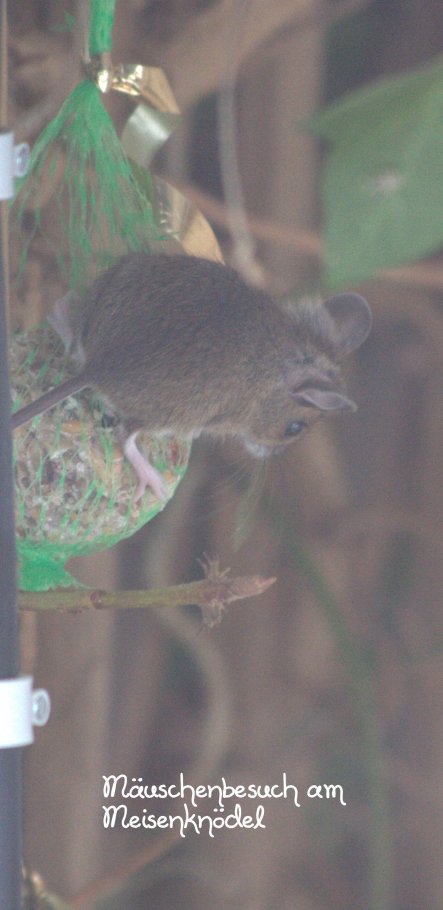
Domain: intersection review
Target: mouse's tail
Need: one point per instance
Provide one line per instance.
(49, 399)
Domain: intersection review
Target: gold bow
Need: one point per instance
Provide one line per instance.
(144, 133)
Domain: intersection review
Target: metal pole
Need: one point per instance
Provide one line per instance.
(10, 759)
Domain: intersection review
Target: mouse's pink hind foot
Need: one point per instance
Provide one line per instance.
(147, 475)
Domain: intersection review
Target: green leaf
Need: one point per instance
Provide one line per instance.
(383, 179)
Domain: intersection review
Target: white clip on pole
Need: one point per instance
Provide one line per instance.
(21, 709)
(14, 161)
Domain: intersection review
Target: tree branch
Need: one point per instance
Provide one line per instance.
(199, 50)
(204, 42)
(212, 594)
(424, 274)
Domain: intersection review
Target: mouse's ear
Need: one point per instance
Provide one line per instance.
(323, 399)
(61, 318)
(352, 320)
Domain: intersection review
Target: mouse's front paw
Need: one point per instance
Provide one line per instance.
(148, 476)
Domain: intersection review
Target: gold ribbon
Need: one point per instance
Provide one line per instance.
(144, 133)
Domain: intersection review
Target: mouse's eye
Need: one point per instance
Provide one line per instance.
(294, 428)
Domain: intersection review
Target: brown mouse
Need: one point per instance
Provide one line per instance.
(181, 345)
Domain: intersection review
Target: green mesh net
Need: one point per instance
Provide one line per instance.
(100, 210)
(74, 489)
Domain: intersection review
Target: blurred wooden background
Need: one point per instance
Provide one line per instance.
(271, 689)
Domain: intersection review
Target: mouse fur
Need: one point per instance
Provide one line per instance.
(179, 344)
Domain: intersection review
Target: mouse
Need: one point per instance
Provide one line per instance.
(181, 345)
